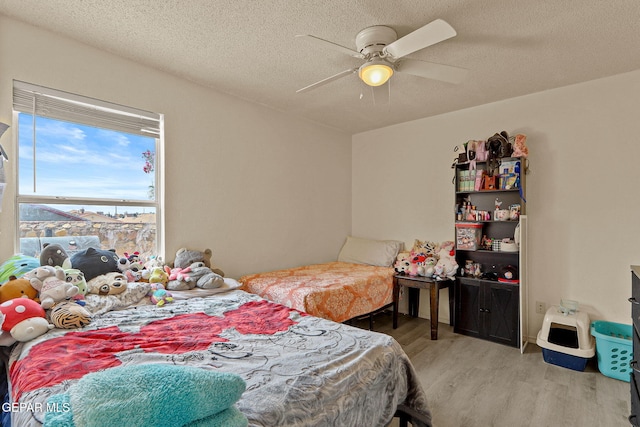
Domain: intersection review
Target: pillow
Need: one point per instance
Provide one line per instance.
(150, 395)
(381, 253)
(99, 304)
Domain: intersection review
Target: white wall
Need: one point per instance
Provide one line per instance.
(582, 189)
(260, 189)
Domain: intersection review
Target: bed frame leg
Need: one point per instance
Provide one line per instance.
(407, 415)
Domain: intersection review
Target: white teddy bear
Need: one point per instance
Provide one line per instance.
(447, 265)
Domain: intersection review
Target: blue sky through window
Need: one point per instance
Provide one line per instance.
(76, 160)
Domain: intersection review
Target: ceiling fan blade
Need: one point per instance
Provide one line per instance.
(326, 43)
(328, 80)
(431, 70)
(432, 33)
(381, 94)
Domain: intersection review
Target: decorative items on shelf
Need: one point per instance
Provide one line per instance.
(501, 153)
(469, 212)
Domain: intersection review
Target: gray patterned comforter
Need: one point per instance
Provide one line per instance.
(299, 370)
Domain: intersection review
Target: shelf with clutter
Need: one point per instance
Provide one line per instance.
(489, 205)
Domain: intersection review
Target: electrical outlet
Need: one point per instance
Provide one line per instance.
(541, 307)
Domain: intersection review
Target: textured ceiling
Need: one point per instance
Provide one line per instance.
(247, 48)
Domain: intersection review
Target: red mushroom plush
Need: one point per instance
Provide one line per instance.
(22, 320)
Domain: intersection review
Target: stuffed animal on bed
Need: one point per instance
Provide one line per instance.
(17, 265)
(160, 297)
(111, 283)
(199, 276)
(40, 273)
(22, 320)
(94, 262)
(69, 315)
(158, 275)
(185, 257)
(131, 267)
(76, 278)
(17, 288)
(179, 278)
(54, 254)
(54, 288)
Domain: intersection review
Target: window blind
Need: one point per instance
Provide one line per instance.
(69, 107)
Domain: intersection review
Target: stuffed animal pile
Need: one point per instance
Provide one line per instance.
(428, 259)
(37, 295)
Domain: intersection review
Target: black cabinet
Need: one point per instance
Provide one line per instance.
(487, 309)
(634, 418)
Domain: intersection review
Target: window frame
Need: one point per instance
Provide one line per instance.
(157, 204)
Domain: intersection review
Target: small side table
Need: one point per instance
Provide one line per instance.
(419, 282)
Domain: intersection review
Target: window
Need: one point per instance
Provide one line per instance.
(89, 173)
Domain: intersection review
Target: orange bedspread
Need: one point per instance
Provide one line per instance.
(336, 291)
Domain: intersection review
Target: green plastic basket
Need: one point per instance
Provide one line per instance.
(614, 348)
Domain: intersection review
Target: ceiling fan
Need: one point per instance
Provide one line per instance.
(385, 54)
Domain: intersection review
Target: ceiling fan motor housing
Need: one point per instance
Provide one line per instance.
(372, 40)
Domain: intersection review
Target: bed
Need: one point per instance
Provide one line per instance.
(360, 282)
(297, 369)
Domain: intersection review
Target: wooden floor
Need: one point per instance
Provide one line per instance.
(471, 382)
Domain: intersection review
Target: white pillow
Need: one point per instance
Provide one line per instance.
(381, 253)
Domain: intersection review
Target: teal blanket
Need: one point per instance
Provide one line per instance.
(148, 396)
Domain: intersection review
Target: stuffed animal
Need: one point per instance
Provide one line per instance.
(161, 297)
(40, 273)
(54, 288)
(152, 262)
(178, 275)
(425, 247)
(69, 315)
(413, 269)
(123, 263)
(22, 320)
(131, 269)
(94, 262)
(76, 278)
(446, 266)
(133, 276)
(158, 275)
(186, 257)
(205, 277)
(17, 265)
(416, 260)
(54, 255)
(200, 276)
(134, 257)
(148, 266)
(520, 148)
(111, 283)
(154, 287)
(401, 266)
(429, 266)
(18, 288)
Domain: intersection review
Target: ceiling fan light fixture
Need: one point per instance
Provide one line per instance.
(375, 73)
